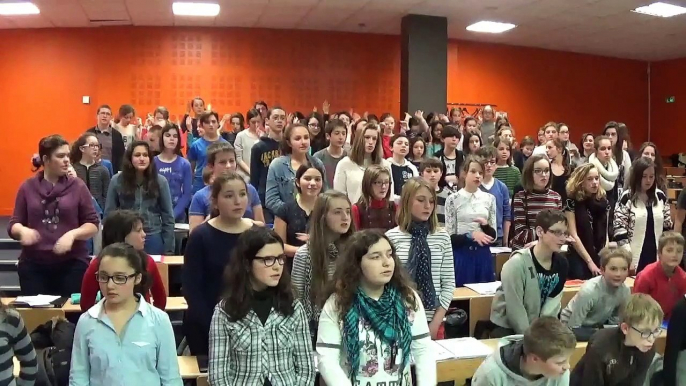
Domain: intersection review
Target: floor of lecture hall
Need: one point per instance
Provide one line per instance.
(7, 278)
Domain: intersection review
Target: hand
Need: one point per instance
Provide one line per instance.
(140, 122)
(226, 117)
(443, 118)
(71, 173)
(481, 221)
(419, 114)
(304, 237)
(290, 118)
(356, 117)
(325, 107)
(594, 268)
(189, 123)
(64, 244)
(403, 127)
(434, 326)
(481, 238)
(382, 126)
(612, 244)
(28, 236)
(407, 117)
(366, 115)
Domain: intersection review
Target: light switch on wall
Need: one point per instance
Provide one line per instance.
(86, 100)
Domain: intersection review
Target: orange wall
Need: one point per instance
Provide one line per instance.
(44, 74)
(667, 79)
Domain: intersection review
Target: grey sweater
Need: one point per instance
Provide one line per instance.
(97, 179)
(596, 303)
(15, 341)
(517, 302)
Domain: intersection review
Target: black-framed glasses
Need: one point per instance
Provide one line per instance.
(559, 233)
(116, 279)
(269, 261)
(648, 334)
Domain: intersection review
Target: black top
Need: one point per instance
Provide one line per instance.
(118, 148)
(262, 154)
(262, 303)
(451, 166)
(609, 362)
(296, 222)
(590, 217)
(649, 250)
(551, 281)
(559, 185)
(400, 175)
(675, 343)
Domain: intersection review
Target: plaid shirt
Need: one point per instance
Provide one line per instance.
(246, 352)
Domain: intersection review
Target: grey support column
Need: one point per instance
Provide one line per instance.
(424, 64)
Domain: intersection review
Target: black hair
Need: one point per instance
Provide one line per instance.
(260, 103)
(118, 224)
(47, 146)
(128, 177)
(238, 290)
(333, 124)
(468, 138)
(450, 131)
(205, 117)
(125, 110)
(396, 137)
(370, 117)
(137, 260)
(167, 128)
(75, 153)
(252, 113)
(271, 110)
(302, 170)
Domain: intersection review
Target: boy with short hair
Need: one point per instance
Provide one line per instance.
(526, 149)
(539, 358)
(450, 157)
(622, 355)
(664, 279)
(600, 299)
(532, 279)
(401, 169)
(336, 133)
(265, 151)
(197, 152)
(221, 158)
(431, 170)
(497, 189)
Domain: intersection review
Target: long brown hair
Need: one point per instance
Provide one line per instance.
(346, 279)
(640, 165)
(128, 172)
(320, 236)
(238, 291)
(371, 174)
(357, 153)
(528, 173)
(659, 167)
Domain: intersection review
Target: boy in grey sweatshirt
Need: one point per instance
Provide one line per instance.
(539, 358)
(599, 300)
(532, 279)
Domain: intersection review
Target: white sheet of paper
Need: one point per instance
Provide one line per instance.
(497, 250)
(37, 300)
(465, 348)
(157, 258)
(441, 352)
(182, 226)
(484, 288)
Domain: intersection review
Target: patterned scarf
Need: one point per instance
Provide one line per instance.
(419, 263)
(311, 309)
(388, 319)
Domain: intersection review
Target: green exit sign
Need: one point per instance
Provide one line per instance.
(670, 99)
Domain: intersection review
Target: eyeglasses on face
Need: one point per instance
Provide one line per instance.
(558, 233)
(116, 279)
(269, 261)
(647, 334)
(382, 183)
(541, 171)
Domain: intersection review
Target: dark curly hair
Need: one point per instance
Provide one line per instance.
(128, 172)
(238, 291)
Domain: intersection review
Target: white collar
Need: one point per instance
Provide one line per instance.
(97, 309)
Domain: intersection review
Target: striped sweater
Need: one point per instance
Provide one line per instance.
(509, 175)
(15, 341)
(525, 208)
(97, 179)
(442, 271)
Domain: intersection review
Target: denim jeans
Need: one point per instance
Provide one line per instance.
(154, 245)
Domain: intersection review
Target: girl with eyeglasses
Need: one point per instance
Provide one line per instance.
(122, 339)
(208, 251)
(373, 321)
(534, 197)
(315, 124)
(138, 187)
(53, 219)
(84, 160)
(123, 226)
(424, 250)
(259, 333)
(375, 209)
(314, 262)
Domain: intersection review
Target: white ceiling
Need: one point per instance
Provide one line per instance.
(601, 27)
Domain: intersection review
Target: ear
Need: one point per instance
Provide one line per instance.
(539, 232)
(624, 327)
(139, 279)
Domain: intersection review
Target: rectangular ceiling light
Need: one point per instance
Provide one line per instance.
(492, 27)
(195, 9)
(661, 10)
(19, 8)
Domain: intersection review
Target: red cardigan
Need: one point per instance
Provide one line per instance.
(667, 291)
(375, 204)
(90, 286)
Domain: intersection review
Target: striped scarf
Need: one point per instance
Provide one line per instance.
(388, 319)
(419, 263)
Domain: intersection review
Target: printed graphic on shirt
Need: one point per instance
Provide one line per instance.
(547, 283)
(449, 166)
(269, 156)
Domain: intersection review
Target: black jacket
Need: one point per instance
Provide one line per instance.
(117, 148)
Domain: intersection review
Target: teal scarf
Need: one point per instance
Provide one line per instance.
(388, 319)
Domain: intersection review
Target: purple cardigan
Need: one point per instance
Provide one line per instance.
(35, 197)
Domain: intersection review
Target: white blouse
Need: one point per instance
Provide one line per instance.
(348, 178)
(462, 208)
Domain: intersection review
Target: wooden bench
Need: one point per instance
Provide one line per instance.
(675, 171)
(41, 315)
(480, 305)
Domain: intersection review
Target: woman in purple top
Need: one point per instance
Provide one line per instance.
(171, 165)
(53, 218)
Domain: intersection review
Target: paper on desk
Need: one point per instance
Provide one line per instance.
(484, 288)
(465, 348)
(37, 300)
(182, 226)
(157, 258)
(441, 352)
(497, 250)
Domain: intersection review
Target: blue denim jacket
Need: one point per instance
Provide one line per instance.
(281, 182)
(158, 212)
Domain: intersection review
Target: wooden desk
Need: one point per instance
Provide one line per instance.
(173, 304)
(480, 305)
(163, 269)
(673, 194)
(173, 260)
(675, 171)
(34, 317)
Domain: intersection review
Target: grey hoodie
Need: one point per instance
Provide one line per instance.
(501, 368)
